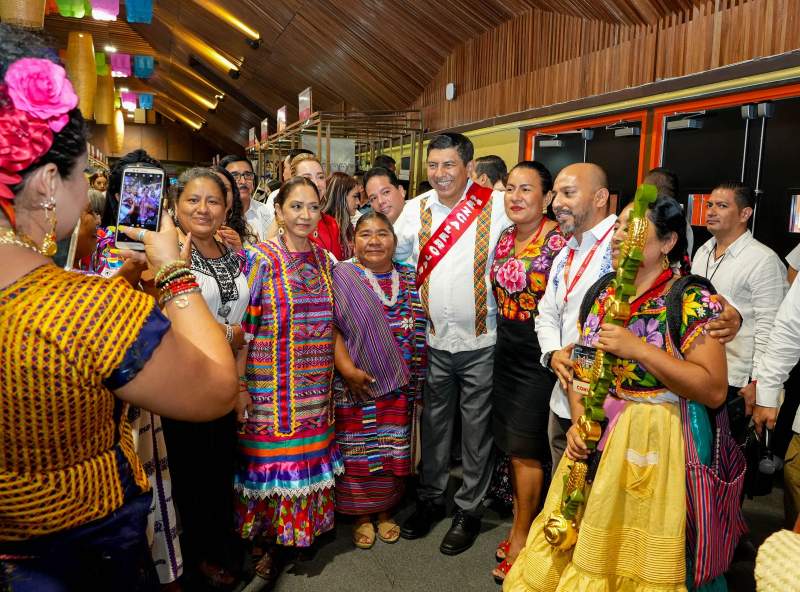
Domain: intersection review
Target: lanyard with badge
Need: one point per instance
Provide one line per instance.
(571, 285)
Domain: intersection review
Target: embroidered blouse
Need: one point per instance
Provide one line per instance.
(519, 280)
(649, 322)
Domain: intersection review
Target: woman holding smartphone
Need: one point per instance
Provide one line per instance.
(73, 494)
(288, 456)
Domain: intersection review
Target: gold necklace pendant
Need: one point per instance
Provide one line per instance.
(10, 237)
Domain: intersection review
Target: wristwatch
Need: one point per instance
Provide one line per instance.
(546, 360)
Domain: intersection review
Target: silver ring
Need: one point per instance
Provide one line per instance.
(140, 236)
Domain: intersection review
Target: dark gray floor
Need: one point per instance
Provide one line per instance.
(410, 566)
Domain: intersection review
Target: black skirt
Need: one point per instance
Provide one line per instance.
(521, 392)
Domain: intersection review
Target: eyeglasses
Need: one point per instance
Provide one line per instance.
(249, 176)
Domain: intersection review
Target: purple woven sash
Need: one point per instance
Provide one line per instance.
(359, 316)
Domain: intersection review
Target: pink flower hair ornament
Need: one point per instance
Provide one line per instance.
(35, 102)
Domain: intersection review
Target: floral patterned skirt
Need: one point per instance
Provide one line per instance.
(290, 521)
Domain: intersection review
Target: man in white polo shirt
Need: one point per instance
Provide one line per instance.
(257, 215)
(753, 278)
(450, 233)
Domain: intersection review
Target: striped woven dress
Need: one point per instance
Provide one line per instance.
(288, 457)
(387, 342)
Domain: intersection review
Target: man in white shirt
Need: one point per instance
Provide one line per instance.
(461, 333)
(257, 215)
(384, 192)
(780, 355)
(751, 275)
(286, 174)
(490, 171)
(581, 209)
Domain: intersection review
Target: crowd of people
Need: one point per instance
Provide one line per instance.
(262, 368)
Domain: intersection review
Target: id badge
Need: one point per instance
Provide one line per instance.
(582, 363)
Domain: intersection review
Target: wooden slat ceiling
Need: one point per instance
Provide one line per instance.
(359, 54)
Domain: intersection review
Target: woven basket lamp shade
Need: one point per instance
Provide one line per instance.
(104, 100)
(23, 13)
(116, 139)
(82, 69)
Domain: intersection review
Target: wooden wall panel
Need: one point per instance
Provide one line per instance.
(541, 58)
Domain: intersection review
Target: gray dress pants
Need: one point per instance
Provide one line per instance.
(470, 374)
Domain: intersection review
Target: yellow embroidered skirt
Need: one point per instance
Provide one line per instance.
(632, 534)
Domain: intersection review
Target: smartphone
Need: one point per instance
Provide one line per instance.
(140, 203)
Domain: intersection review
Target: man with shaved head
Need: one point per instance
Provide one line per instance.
(581, 209)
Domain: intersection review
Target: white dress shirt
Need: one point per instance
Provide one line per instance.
(259, 217)
(793, 258)
(753, 278)
(557, 320)
(451, 301)
(781, 353)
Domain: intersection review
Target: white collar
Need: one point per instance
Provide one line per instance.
(594, 234)
(433, 198)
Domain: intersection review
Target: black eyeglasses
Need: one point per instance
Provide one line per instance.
(249, 176)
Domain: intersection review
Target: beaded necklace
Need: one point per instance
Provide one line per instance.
(376, 287)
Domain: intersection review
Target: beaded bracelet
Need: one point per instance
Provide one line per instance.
(185, 284)
(168, 268)
(180, 282)
(178, 273)
(228, 333)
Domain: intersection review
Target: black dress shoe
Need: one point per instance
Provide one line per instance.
(422, 520)
(461, 535)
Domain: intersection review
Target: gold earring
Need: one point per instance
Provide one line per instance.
(49, 246)
(316, 234)
(664, 262)
(280, 229)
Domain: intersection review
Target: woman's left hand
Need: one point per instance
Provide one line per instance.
(619, 341)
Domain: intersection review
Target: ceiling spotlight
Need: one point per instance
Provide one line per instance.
(252, 36)
(110, 49)
(123, 89)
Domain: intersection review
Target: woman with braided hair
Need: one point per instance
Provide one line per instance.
(77, 350)
(633, 532)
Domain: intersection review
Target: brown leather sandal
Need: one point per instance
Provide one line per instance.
(267, 568)
(388, 531)
(364, 535)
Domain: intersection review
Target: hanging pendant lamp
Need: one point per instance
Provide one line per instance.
(82, 69)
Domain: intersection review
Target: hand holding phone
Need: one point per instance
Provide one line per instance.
(140, 204)
(162, 247)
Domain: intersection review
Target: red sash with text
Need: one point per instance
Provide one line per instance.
(451, 229)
